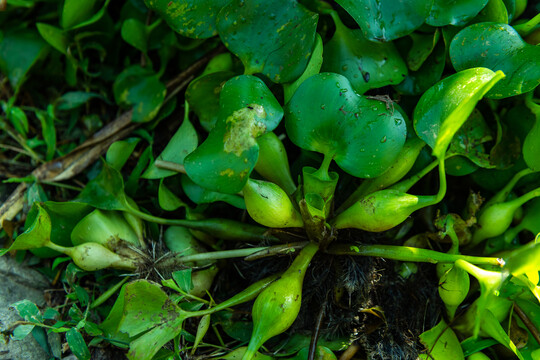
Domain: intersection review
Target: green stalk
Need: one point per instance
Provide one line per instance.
(246, 295)
(215, 255)
(222, 228)
(412, 254)
(107, 294)
(526, 28)
(322, 173)
(502, 194)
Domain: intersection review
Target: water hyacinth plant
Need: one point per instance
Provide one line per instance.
(289, 179)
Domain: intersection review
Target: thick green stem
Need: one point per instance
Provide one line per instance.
(526, 28)
(222, 228)
(502, 194)
(322, 173)
(107, 294)
(246, 295)
(215, 255)
(405, 253)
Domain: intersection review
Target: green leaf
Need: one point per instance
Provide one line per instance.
(494, 11)
(75, 12)
(168, 201)
(135, 33)
(313, 67)
(183, 279)
(226, 158)
(36, 236)
(19, 51)
(447, 105)
(456, 13)
(54, 36)
(22, 331)
(146, 305)
(386, 20)
(105, 191)
(28, 311)
(441, 343)
(202, 95)
(523, 259)
(469, 140)
(141, 89)
(363, 135)
(64, 216)
(423, 45)
(18, 119)
(146, 346)
(74, 99)
(417, 82)
(366, 64)
(190, 18)
(531, 145)
(183, 142)
(120, 151)
(498, 47)
(77, 345)
(200, 195)
(48, 131)
(285, 27)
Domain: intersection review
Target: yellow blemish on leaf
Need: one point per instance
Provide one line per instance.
(229, 172)
(242, 128)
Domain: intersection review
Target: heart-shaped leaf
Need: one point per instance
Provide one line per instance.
(186, 16)
(366, 64)
(202, 95)
(278, 44)
(445, 106)
(226, 158)
(141, 89)
(363, 135)
(385, 20)
(498, 47)
(457, 12)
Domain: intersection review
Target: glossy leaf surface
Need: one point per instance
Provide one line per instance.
(203, 96)
(185, 16)
(498, 47)
(454, 13)
(385, 20)
(247, 110)
(366, 64)
(285, 27)
(446, 106)
(363, 135)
